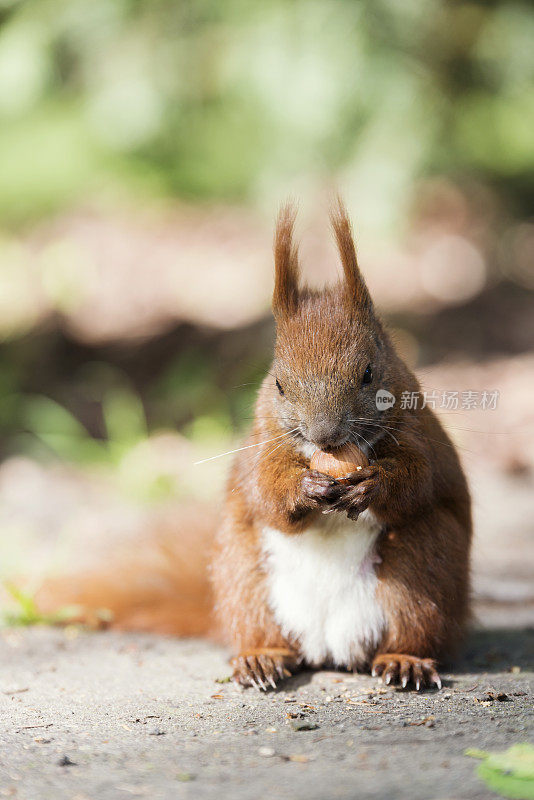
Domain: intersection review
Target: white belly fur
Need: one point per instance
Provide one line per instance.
(322, 588)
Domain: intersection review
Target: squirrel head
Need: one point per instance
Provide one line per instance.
(331, 353)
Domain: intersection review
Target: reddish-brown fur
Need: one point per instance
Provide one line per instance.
(414, 486)
(158, 584)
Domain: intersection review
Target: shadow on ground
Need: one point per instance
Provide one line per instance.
(497, 650)
(106, 715)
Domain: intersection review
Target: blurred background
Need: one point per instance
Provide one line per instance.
(145, 146)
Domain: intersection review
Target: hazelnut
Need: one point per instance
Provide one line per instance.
(340, 462)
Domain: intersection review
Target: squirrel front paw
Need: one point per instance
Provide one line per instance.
(319, 489)
(357, 492)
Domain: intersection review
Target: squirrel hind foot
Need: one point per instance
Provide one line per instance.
(406, 671)
(263, 668)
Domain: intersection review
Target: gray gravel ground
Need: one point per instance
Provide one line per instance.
(142, 716)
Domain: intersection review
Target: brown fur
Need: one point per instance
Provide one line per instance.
(414, 485)
(285, 296)
(159, 584)
(357, 293)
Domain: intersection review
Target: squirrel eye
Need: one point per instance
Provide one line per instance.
(367, 375)
(279, 387)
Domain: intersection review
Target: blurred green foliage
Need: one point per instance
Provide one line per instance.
(230, 100)
(189, 396)
(24, 611)
(110, 101)
(509, 773)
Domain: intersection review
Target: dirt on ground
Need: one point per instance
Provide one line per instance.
(99, 716)
(105, 715)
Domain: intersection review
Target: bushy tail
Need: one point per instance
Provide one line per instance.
(159, 585)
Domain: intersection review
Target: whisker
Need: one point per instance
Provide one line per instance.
(360, 435)
(436, 441)
(245, 447)
(261, 455)
(378, 425)
(445, 424)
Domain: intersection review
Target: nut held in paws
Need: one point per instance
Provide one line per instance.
(339, 463)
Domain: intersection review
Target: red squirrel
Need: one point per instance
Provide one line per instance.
(381, 581)
(387, 590)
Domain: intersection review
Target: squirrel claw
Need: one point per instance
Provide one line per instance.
(319, 488)
(262, 668)
(435, 679)
(403, 670)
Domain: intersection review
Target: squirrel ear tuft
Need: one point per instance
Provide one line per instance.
(357, 291)
(286, 263)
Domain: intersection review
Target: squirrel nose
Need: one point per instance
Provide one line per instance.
(325, 431)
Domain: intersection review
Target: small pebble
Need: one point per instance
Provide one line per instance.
(266, 752)
(65, 761)
(185, 777)
(302, 725)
